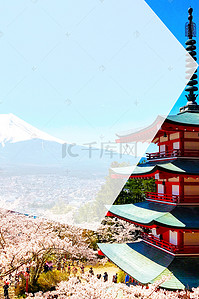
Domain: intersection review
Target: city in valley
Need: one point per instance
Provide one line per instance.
(47, 194)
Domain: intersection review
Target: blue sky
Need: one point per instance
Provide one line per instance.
(83, 70)
(174, 15)
(79, 70)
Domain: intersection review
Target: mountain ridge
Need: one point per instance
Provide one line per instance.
(13, 129)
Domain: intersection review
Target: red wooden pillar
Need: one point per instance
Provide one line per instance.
(181, 187)
(180, 239)
(182, 143)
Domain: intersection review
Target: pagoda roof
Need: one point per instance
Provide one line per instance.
(148, 264)
(145, 134)
(177, 165)
(186, 118)
(151, 213)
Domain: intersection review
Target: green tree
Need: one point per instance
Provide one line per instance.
(134, 191)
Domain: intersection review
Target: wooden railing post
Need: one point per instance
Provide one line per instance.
(173, 153)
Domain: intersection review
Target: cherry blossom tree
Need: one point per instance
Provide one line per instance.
(117, 230)
(96, 289)
(25, 241)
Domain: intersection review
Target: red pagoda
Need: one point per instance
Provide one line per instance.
(171, 214)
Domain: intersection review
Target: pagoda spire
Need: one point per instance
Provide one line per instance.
(191, 88)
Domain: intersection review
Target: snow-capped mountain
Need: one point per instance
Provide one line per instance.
(24, 146)
(21, 144)
(13, 129)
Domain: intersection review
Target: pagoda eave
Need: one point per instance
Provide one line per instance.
(148, 214)
(152, 224)
(188, 120)
(181, 122)
(142, 135)
(147, 264)
(178, 166)
(148, 225)
(172, 126)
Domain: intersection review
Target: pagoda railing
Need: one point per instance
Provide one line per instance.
(172, 154)
(160, 243)
(193, 249)
(163, 197)
(172, 198)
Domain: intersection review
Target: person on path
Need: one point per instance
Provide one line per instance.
(91, 272)
(127, 279)
(114, 278)
(63, 266)
(105, 276)
(74, 270)
(46, 267)
(78, 280)
(82, 269)
(69, 269)
(59, 266)
(5, 289)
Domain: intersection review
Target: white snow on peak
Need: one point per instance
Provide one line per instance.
(13, 129)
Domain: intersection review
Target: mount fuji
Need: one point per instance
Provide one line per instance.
(24, 147)
(13, 129)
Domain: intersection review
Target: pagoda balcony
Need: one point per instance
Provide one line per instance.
(163, 197)
(172, 154)
(183, 249)
(160, 243)
(172, 198)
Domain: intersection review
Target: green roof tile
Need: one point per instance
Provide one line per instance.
(135, 213)
(176, 166)
(143, 262)
(187, 118)
(132, 262)
(173, 283)
(145, 213)
(148, 264)
(170, 220)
